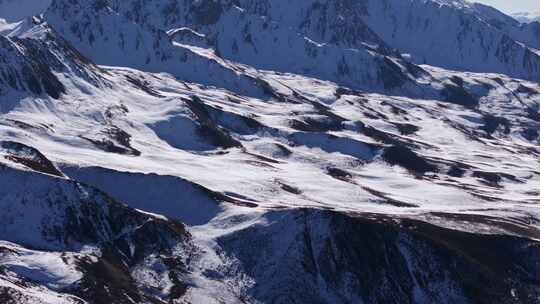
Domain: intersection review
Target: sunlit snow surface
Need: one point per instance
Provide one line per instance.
(59, 126)
(177, 132)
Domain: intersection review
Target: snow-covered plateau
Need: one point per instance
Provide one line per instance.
(268, 151)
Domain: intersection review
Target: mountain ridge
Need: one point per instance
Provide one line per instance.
(170, 151)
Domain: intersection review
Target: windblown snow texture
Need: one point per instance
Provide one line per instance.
(218, 151)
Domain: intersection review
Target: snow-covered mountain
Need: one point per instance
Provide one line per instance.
(526, 17)
(451, 34)
(268, 151)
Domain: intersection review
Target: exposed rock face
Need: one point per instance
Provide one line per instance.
(102, 241)
(29, 157)
(30, 65)
(348, 259)
(35, 75)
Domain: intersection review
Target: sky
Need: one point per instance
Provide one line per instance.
(513, 6)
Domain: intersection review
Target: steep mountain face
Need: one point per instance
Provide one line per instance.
(234, 38)
(375, 260)
(64, 242)
(93, 24)
(31, 61)
(451, 34)
(206, 151)
(527, 33)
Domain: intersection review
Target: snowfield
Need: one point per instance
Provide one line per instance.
(231, 151)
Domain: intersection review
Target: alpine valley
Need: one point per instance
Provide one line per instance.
(268, 151)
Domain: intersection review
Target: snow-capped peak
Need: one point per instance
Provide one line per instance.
(527, 17)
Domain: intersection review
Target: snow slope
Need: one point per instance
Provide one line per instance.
(226, 152)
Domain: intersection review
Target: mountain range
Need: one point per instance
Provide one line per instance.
(526, 17)
(268, 151)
